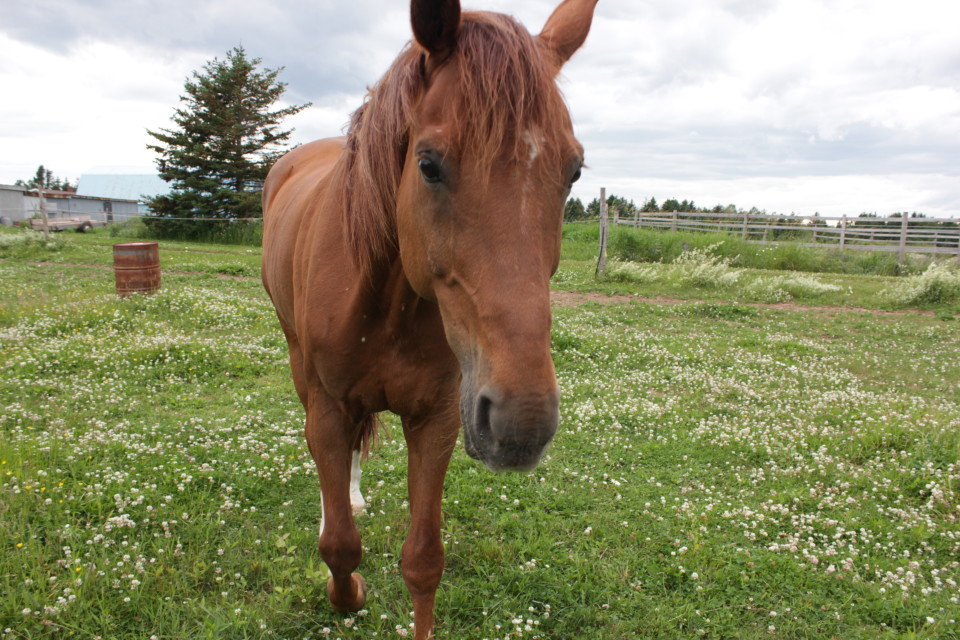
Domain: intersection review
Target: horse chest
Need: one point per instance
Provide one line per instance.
(397, 362)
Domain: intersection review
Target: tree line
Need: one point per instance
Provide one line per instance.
(624, 208)
(44, 179)
(616, 205)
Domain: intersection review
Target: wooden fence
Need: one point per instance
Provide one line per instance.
(896, 234)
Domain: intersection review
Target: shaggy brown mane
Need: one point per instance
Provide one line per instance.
(506, 85)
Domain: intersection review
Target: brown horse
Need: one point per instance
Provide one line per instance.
(409, 265)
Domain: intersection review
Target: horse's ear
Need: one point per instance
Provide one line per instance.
(435, 25)
(567, 28)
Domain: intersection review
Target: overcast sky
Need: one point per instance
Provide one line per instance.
(785, 105)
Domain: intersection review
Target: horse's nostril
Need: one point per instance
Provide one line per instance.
(484, 404)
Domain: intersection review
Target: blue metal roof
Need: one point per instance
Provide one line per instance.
(126, 187)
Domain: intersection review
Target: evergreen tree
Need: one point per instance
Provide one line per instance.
(624, 208)
(670, 204)
(593, 209)
(225, 140)
(574, 210)
(44, 178)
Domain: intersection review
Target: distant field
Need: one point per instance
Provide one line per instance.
(731, 463)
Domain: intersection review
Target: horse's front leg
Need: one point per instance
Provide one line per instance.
(330, 438)
(430, 443)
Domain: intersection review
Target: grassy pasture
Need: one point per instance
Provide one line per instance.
(725, 468)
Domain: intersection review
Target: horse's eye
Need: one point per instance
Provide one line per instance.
(430, 170)
(575, 176)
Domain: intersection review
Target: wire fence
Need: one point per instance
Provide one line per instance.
(900, 234)
(105, 216)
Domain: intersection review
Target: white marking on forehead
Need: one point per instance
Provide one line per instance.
(533, 139)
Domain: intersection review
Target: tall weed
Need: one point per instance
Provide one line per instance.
(219, 232)
(783, 288)
(634, 272)
(702, 268)
(694, 267)
(28, 243)
(938, 284)
(648, 245)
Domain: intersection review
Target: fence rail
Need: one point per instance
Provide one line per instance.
(896, 234)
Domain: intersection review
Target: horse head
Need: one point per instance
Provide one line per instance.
(490, 159)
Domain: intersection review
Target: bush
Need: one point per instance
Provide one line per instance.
(216, 231)
(938, 284)
(132, 228)
(694, 267)
(27, 243)
(654, 245)
(633, 245)
(701, 268)
(783, 288)
(633, 272)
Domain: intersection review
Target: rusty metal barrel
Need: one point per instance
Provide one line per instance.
(137, 267)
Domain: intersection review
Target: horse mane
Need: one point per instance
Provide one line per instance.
(507, 85)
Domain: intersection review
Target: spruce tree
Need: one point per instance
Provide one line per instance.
(574, 210)
(225, 140)
(45, 178)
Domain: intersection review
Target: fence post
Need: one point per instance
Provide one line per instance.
(903, 237)
(43, 213)
(843, 231)
(673, 221)
(602, 262)
(743, 230)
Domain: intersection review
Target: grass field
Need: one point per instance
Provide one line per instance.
(725, 467)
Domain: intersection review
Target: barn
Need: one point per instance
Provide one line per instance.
(120, 185)
(20, 203)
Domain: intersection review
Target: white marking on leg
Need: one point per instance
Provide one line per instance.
(356, 498)
(323, 516)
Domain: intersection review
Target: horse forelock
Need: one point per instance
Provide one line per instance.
(505, 90)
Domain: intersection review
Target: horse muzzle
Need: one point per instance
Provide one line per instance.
(508, 431)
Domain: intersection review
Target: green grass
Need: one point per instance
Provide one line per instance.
(722, 267)
(647, 245)
(724, 469)
(230, 233)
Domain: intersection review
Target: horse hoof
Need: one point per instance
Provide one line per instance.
(354, 602)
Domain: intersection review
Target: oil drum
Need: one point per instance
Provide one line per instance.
(137, 267)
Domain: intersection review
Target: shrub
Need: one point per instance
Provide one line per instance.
(28, 242)
(939, 283)
(694, 267)
(660, 245)
(700, 267)
(783, 288)
(131, 228)
(633, 272)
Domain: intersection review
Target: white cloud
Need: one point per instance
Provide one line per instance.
(787, 105)
(89, 107)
